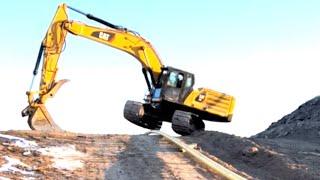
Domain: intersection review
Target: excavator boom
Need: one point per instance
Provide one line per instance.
(52, 46)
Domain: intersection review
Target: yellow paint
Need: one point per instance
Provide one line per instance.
(214, 102)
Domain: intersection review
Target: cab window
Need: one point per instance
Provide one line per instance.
(172, 79)
(175, 79)
(180, 80)
(189, 82)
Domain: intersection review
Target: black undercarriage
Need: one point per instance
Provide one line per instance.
(184, 120)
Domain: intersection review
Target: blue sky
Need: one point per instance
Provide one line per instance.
(265, 53)
(174, 27)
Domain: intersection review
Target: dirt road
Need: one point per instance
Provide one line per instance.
(96, 157)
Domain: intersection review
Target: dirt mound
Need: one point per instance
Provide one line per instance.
(303, 124)
(288, 149)
(259, 158)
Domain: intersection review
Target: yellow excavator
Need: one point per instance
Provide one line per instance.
(170, 96)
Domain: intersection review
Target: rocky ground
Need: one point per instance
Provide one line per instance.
(288, 149)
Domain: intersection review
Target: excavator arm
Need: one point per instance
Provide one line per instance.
(52, 46)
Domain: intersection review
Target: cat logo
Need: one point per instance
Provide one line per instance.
(103, 35)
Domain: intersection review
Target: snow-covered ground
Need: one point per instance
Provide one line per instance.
(12, 164)
(20, 142)
(63, 157)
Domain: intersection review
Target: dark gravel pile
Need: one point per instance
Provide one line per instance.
(303, 124)
(288, 149)
(261, 158)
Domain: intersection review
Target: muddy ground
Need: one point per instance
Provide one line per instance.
(288, 149)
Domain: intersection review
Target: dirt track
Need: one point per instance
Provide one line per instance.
(104, 157)
(150, 157)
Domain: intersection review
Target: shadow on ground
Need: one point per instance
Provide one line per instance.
(138, 161)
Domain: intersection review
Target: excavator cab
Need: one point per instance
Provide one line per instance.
(175, 84)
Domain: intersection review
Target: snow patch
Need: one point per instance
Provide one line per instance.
(64, 157)
(11, 166)
(20, 142)
(4, 178)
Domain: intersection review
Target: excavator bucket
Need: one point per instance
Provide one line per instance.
(38, 116)
(40, 119)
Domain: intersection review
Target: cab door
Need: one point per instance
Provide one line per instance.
(187, 86)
